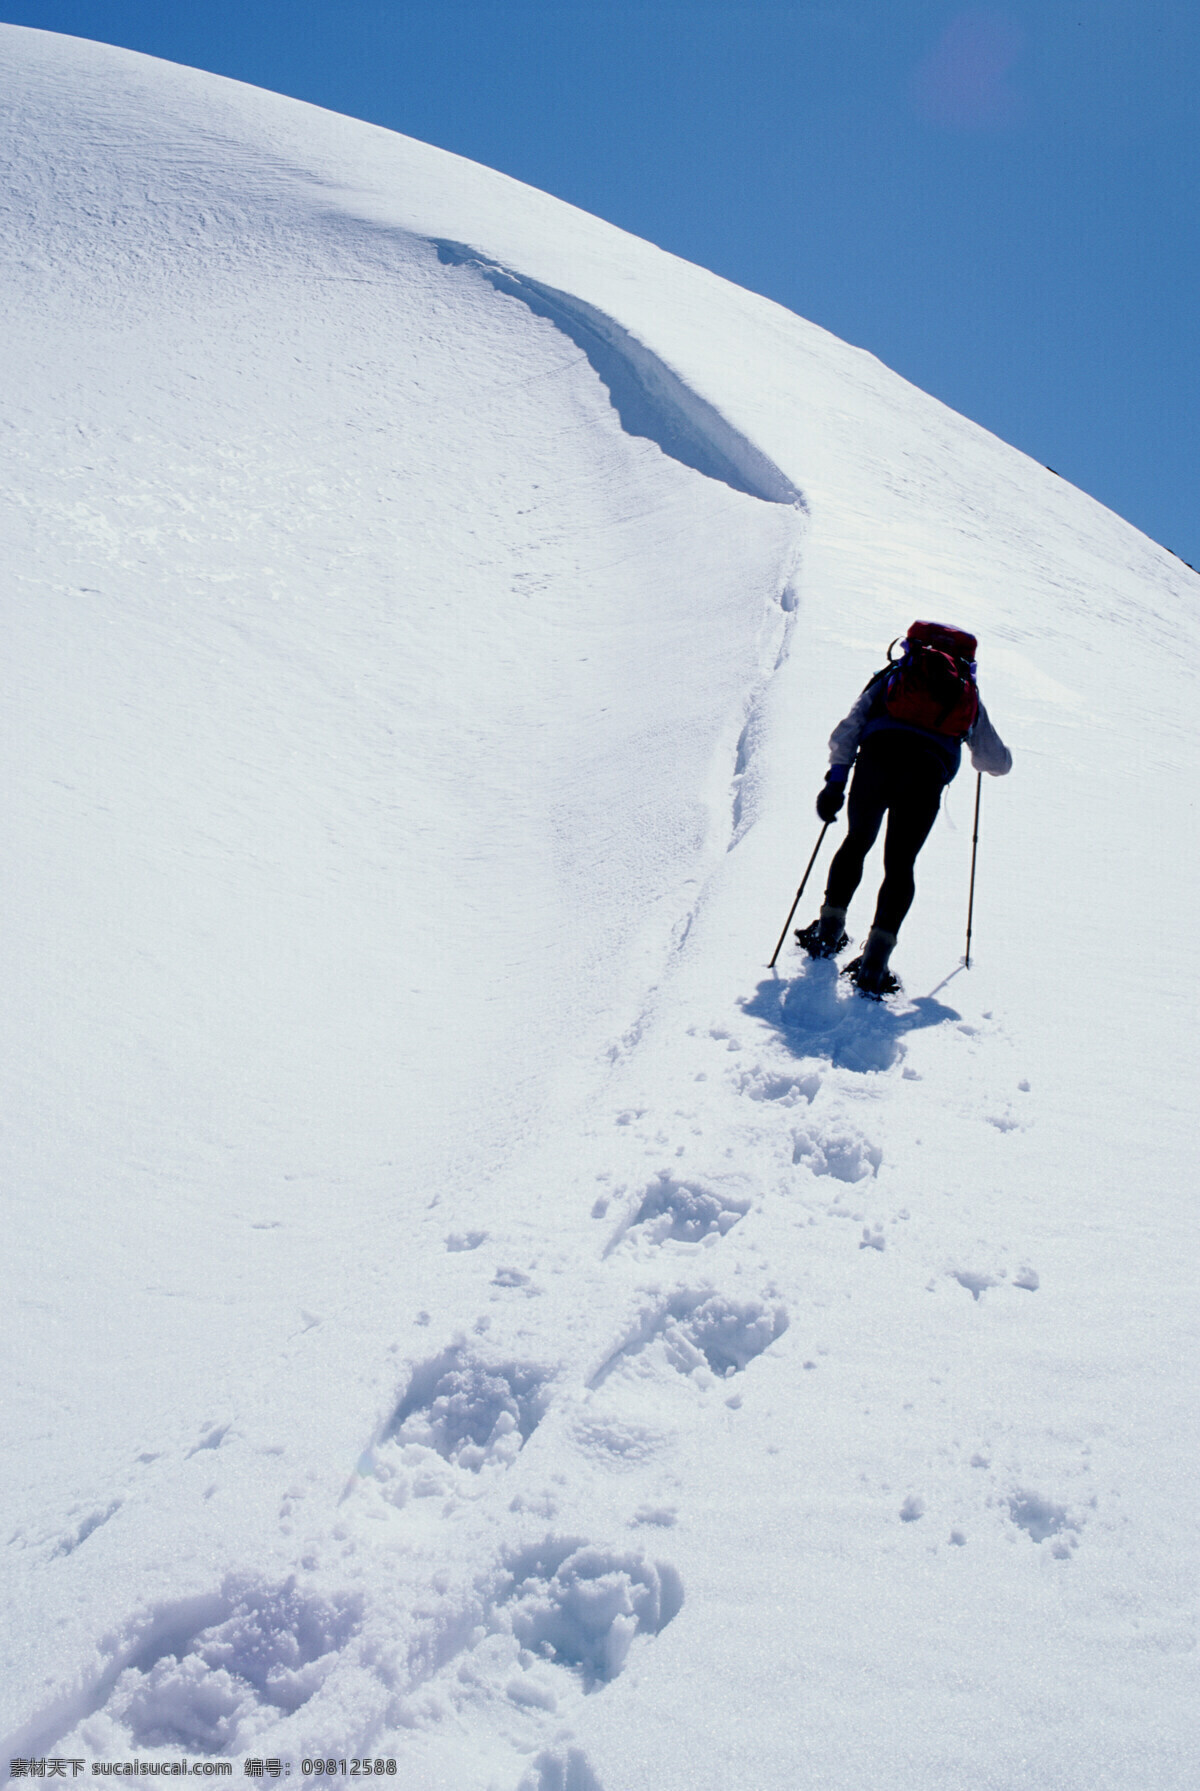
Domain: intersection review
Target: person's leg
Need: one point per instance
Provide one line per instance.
(865, 807)
(912, 812)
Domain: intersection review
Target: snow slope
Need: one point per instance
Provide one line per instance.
(460, 1307)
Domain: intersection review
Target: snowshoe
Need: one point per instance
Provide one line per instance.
(874, 986)
(821, 940)
(869, 973)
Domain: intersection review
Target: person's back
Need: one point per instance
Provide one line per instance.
(904, 739)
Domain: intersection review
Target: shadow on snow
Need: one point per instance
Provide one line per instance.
(815, 1016)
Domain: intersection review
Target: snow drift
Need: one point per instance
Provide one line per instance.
(460, 1308)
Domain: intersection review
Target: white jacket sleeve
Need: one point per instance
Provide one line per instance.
(988, 751)
(843, 742)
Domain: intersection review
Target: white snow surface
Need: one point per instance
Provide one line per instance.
(461, 1307)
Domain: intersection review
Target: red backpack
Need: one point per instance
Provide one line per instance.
(932, 684)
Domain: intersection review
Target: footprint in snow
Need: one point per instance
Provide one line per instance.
(579, 1607)
(87, 1526)
(212, 1438)
(204, 1675)
(698, 1333)
(788, 1088)
(553, 1621)
(841, 1154)
(460, 1412)
(618, 1442)
(560, 1770)
(672, 1210)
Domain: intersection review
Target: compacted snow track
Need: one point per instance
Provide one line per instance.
(463, 1309)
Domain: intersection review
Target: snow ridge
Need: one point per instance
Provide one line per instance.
(648, 396)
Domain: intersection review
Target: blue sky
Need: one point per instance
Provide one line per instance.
(1002, 202)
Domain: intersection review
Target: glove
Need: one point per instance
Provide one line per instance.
(829, 802)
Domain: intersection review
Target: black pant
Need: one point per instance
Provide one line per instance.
(899, 775)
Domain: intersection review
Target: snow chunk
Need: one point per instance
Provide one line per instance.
(466, 1240)
(974, 1280)
(1042, 1518)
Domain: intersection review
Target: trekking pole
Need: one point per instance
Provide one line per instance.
(787, 923)
(974, 848)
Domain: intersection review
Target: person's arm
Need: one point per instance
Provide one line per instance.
(988, 751)
(843, 742)
(843, 745)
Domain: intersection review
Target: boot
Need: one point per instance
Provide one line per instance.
(827, 935)
(870, 973)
